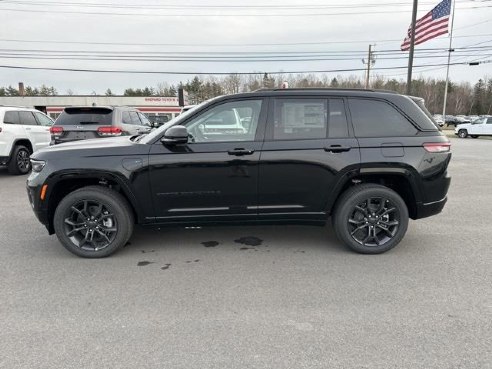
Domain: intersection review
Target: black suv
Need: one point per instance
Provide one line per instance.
(369, 159)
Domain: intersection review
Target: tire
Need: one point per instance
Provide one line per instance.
(352, 220)
(93, 222)
(462, 133)
(19, 161)
(473, 136)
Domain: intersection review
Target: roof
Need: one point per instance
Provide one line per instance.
(342, 92)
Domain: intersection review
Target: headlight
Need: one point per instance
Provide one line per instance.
(37, 165)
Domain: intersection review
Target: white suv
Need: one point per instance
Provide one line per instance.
(479, 127)
(22, 131)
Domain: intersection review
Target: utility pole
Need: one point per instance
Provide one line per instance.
(412, 46)
(450, 50)
(371, 60)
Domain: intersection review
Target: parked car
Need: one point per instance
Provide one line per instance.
(439, 119)
(369, 159)
(22, 131)
(479, 127)
(462, 119)
(450, 120)
(85, 122)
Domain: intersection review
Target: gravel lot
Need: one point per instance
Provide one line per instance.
(297, 300)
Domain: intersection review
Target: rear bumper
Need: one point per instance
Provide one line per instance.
(431, 208)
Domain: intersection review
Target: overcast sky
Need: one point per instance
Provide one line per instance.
(351, 24)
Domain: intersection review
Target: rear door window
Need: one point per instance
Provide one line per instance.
(27, 118)
(11, 117)
(303, 118)
(296, 119)
(375, 118)
(82, 116)
(135, 119)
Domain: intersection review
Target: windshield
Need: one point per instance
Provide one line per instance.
(159, 131)
(479, 121)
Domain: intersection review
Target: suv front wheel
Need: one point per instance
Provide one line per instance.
(462, 133)
(93, 222)
(370, 218)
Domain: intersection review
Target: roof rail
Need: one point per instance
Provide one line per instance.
(323, 89)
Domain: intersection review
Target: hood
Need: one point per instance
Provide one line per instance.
(463, 125)
(113, 146)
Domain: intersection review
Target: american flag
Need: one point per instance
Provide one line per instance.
(433, 24)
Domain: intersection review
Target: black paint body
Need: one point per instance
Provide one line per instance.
(279, 182)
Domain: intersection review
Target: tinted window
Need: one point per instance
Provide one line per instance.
(299, 119)
(43, 119)
(489, 120)
(11, 117)
(232, 121)
(80, 116)
(135, 119)
(373, 118)
(125, 117)
(144, 119)
(27, 118)
(337, 119)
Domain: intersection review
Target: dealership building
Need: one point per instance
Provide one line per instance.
(163, 107)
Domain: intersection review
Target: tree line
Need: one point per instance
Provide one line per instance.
(463, 97)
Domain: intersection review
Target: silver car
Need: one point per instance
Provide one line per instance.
(81, 123)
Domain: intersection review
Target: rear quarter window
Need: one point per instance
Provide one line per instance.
(376, 118)
(11, 117)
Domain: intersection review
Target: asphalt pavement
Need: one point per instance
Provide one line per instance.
(255, 297)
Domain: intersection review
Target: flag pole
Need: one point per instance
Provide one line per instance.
(412, 45)
(449, 61)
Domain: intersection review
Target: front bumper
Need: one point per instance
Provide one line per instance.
(39, 207)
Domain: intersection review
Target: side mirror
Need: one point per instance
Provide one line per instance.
(175, 135)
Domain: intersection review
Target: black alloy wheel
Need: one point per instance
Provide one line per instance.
(19, 162)
(370, 218)
(90, 225)
(462, 133)
(374, 222)
(23, 162)
(93, 221)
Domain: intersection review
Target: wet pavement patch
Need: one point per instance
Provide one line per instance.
(210, 243)
(249, 241)
(144, 263)
(166, 266)
(145, 251)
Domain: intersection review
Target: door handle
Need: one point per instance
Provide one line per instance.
(28, 129)
(240, 152)
(337, 148)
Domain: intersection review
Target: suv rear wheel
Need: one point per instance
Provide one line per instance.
(19, 162)
(370, 218)
(93, 222)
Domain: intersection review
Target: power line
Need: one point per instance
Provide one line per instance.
(221, 45)
(220, 73)
(217, 14)
(209, 6)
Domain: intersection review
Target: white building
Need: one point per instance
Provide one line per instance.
(165, 108)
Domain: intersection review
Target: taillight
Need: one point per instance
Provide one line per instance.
(437, 146)
(109, 131)
(56, 130)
